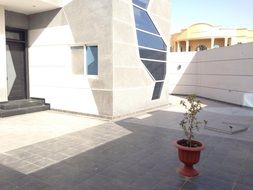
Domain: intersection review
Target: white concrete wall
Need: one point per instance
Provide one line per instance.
(3, 69)
(224, 74)
(182, 76)
(52, 35)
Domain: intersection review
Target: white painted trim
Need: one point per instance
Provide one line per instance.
(154, 60)
(148, 32)
(152, 49)
(139, 7)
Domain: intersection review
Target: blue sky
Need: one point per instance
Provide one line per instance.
(227, 13)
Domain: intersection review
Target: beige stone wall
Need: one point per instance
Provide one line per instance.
(160, 13)
(3, 70)
(133, 87)
(52, 35)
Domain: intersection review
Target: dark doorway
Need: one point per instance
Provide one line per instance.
(16, 64)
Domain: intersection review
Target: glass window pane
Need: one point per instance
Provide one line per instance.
(141, 3)
(157, 90)
(143, 21)
(152, 54)
(15, 35)
(92, 60)
(157, 69)
(151, 41)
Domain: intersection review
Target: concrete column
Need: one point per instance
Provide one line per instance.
(3, 69)
(225, 42)
(178, 47)
(233, 41)
(212, 43)
(174, 46)
(187, 45)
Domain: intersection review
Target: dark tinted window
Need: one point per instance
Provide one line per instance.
(157, 69)
(15, 35)
(143, 21)
(152, 54)
(151, 41)
(157, 90)
(92, 60)
(141, 3)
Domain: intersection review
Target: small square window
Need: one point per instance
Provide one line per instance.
(92, 60)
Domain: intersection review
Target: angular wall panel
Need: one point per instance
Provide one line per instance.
(152, 48)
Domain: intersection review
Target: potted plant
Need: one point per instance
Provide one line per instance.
(189, 149)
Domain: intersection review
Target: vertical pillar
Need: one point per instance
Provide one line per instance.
(174, 46)
(178, 47)
(3, 69)
(225, 42)
(233, 41)
(187, 45)
(212, 43)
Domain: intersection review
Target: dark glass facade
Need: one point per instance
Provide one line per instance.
(152, 54)
(152, 48)
(157, 90)
(157, 69)
(141, 3)
(150, 41)
(143, 21)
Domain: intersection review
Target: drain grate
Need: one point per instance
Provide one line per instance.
(228, 128)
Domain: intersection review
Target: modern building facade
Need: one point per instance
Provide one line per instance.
(202, 36)
(103, 57)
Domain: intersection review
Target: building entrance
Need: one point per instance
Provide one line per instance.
(16, 64)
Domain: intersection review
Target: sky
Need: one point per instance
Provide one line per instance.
(225, 13)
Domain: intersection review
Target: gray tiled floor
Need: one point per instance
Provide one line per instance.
(134, 154)
(32, 158)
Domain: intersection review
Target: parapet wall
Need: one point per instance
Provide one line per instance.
(224, 74)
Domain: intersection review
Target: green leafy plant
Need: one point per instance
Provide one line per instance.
(190, 122)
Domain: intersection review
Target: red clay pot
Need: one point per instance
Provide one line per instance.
(189, 156)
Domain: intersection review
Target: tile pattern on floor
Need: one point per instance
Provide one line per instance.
(35, 157)
(142, 157)
(24, 130)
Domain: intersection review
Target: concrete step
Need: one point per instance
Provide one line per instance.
(18, 107)
(14, 104)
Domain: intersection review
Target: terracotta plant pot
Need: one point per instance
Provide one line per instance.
(189, 156)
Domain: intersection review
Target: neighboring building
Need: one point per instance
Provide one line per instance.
(202, 36)
(99, 57)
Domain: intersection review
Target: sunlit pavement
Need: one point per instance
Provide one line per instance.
(58, 151)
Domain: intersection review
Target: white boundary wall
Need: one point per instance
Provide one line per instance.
(224, 74)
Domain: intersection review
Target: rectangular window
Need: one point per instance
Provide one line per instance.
(15, 35)
(150, 41)
(152, 54)
(92, 60)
